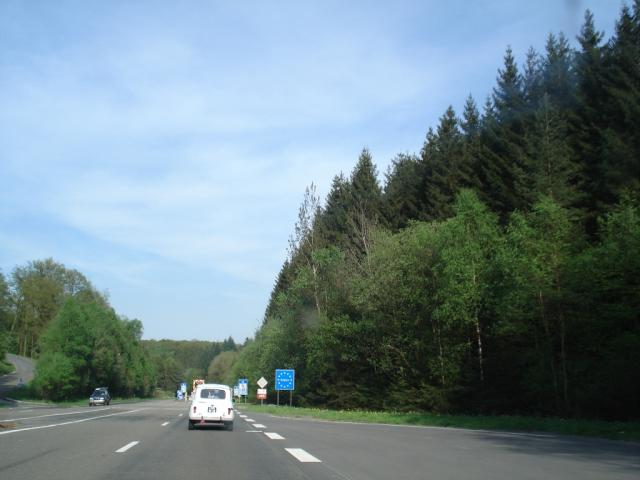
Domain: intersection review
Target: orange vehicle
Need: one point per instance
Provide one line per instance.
(196, 382)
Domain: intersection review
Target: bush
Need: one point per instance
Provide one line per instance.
(55, 377)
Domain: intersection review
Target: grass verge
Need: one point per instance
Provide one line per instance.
(6, 367)
(592, 428)
(27, 394)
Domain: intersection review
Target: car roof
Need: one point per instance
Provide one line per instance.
(213, 385)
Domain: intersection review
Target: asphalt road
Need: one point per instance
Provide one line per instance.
(23, 374)
(97, 443)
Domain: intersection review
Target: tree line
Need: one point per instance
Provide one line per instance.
(179, 361)
(497, 270)
(55, 315)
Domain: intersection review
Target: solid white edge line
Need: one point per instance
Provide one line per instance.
(303, 456)
(67, 423)
(165, 424)
(274, 436)
(127, 447)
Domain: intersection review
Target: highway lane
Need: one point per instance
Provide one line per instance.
(84, 442)
(85, 445)
(366, 451)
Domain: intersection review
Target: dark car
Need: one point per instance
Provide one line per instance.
(100, 396)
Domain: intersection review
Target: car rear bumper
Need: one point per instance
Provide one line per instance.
(211, 418)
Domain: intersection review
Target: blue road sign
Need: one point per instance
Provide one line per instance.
(285, 379)
(243, 386)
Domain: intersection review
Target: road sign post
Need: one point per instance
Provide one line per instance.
(262, 391)
(243, 388)
(285, 380)
(261, 395)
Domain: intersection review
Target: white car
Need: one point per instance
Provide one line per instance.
(211, 404)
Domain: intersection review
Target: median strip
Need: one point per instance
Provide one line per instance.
(302, 455)
(127, 447)
(68, 423)
(51, 415)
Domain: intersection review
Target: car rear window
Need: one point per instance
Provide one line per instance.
(213, 393)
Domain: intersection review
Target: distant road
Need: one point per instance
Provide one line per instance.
(150, 440)
(23, 374)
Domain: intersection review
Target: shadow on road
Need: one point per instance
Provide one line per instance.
(624, 456)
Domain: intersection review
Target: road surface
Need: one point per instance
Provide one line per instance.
(23, 374)
(150, 440)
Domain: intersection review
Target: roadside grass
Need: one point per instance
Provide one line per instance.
(6, 367)
(590, 428)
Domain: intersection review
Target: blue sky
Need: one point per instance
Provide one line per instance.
(163, 148)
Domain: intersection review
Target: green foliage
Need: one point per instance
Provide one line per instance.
(56, 377)
(88, 345)
(39, 290)
(6, 320)
(176, 361)
(220, 367)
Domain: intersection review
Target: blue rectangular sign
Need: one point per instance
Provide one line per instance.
(285, 379)
(243, 386)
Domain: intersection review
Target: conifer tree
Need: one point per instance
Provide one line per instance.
(366, 194)
(622, 135)
(332, 221)
(586, 122)
(365, 208)
(470, 128)
(501, 165)
(550, 158)
(444, 172)
(558, 75)
(532, 79)
(401, 195)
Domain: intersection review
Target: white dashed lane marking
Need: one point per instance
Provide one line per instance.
(274, 436)
(165, 424)
(127, 447)
(303, 456)
(258, 425)
(250, 420)
(254, 431)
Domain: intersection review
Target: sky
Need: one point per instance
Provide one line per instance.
(163, 148)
